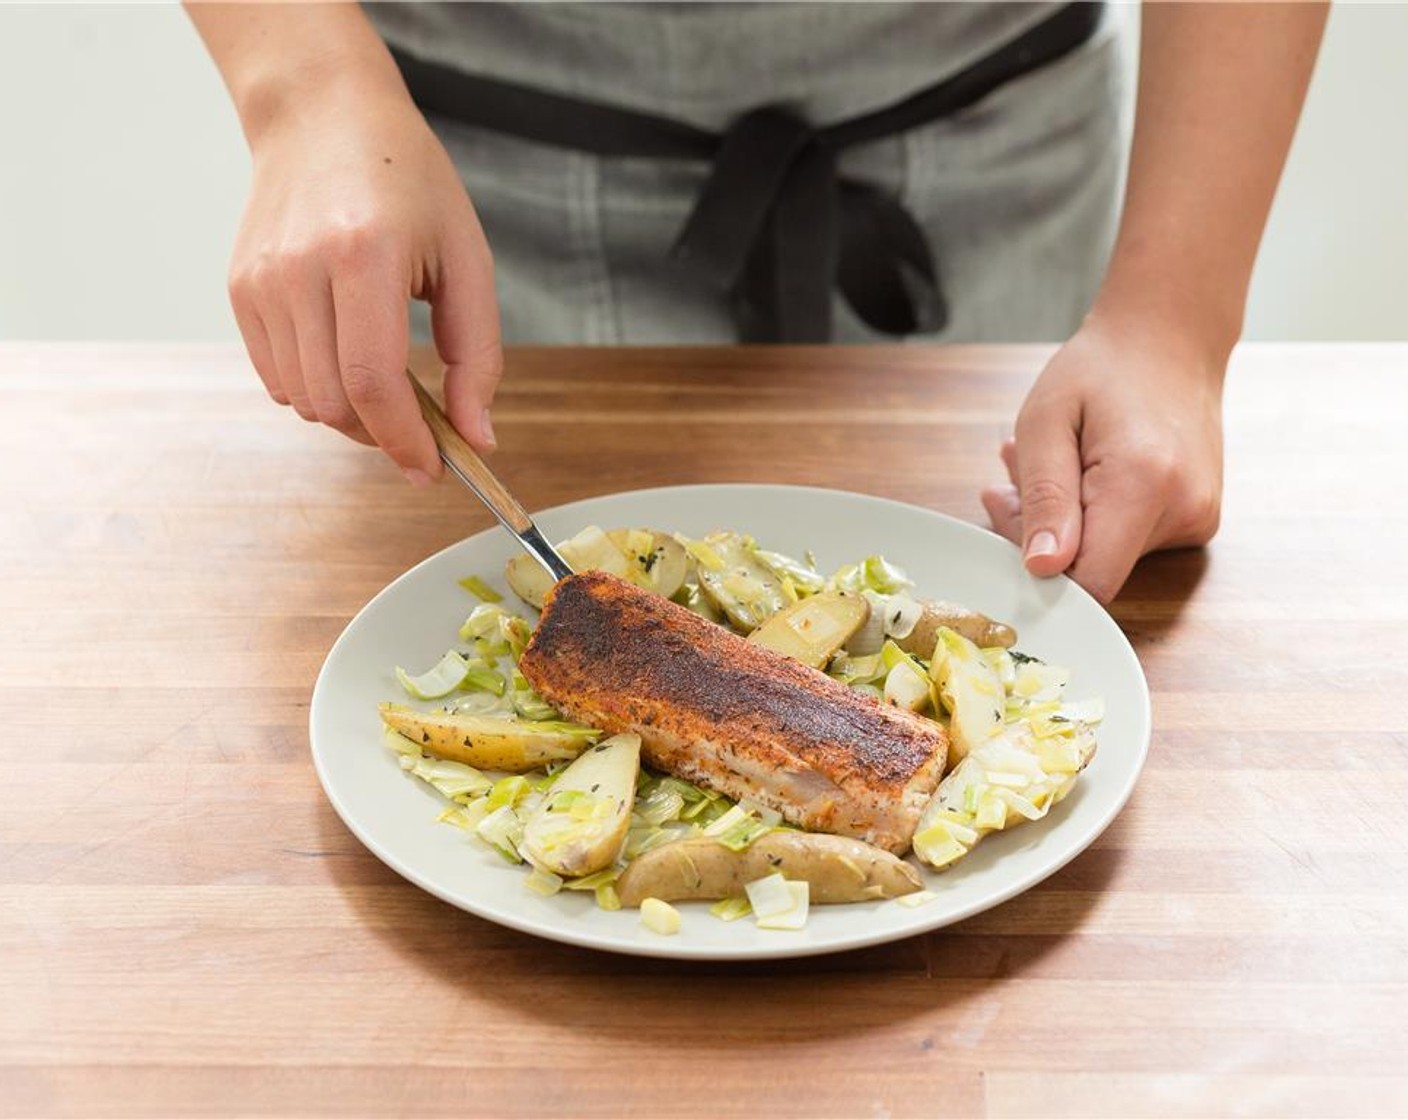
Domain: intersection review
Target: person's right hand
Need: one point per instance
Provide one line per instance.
(355, 209)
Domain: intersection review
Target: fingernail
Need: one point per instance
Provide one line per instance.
(486, 425)
(1042, 544)
(415, 477)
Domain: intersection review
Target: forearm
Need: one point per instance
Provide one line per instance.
(273, 56)
(1220, 90)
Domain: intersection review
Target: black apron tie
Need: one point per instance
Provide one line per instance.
(774, 228)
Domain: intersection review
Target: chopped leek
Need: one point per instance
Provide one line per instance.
(593, 881)
(769, 895)
(795, 917)
(882, 576)
(992, 810)
(516, 632)
(1035, 680)
(607, 898)
(543, 882)
(937, 846)
(703, 554)
(399, 743)
(439, 681)
(805, 579)
(1083, 711)
(481, 590)
(661, 804)
(858, 670)
(531, 706)
(508, 791)
(738, 836)
(484, 680)
(957, 826)
(731, 909)
(454, 780)
(734, 816)
(916, 899)
(483, 622)
(688, 790)
(466, 817)
(1003, 665)
(503, 831)
(1059, 758)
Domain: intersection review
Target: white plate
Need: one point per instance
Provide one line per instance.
(414, 620)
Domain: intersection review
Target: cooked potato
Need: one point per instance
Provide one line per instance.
(582, 822)
(969, 688)
(737, 583)
(813, 629)
(983, 792)
(589, 549)
(837, 868)
(977, 628)
(487, 743)
(528, 579)
(655, 561)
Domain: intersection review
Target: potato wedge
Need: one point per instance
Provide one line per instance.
(589, 549)
(655, 561)
(837, 868)
(977, 628)
(487, 743)
(581, 824)
(813, 629)
(528, 579)
(738, 584)
(1011, 778)
(970, 689)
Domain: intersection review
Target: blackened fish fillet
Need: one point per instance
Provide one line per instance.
(731, 715)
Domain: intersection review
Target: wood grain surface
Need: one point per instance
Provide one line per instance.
(187, 929)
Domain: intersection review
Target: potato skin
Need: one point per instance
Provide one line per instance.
(979, 629)
(838, 869)
(483, 743)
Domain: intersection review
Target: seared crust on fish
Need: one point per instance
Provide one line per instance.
(732, 715)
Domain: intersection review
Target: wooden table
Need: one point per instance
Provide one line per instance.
(187, 929)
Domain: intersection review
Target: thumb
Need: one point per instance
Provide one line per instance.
(1048, 470)
(464, 318)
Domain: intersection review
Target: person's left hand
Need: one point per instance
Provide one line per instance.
(1117, 453)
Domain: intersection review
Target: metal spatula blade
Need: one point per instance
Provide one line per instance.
(466, 465)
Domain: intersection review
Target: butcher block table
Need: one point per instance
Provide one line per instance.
(187, 929)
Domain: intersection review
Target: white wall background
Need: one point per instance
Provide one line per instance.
(123, 172)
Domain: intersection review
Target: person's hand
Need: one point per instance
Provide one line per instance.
(1117, 452)
(355, 209)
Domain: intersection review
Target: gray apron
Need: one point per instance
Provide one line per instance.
(1016, 194)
